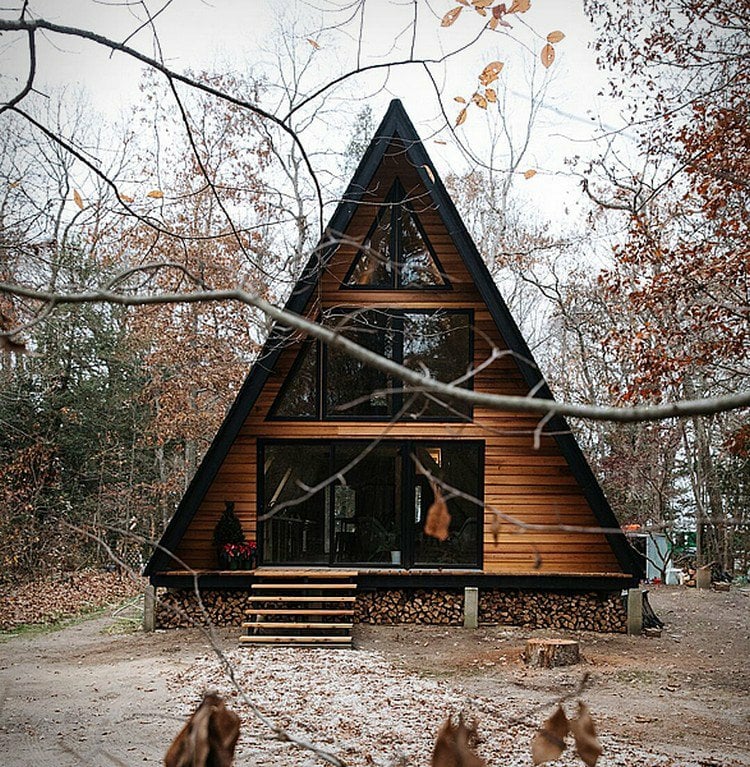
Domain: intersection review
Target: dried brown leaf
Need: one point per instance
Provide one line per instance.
(430, 174)
(495, 528)
(530, 173)
(481, 11)
(548, 56)
(491, 95)
(499, 10)
(77, 199)
(549, 741)
(126, 198)
(157, 194)
(493, 23)
(490, 72)
(314, 43)
(451, 16)
(556, 36)
(519, 6)
(454, 746)
(438, 519)
(208, 738)
(482, 3)
(460, 99)
(584, 732)
(440, 141)
(479, 100)
(461, 119)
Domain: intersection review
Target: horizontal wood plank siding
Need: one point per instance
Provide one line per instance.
(532, 486)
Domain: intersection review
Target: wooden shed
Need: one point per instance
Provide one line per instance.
(332, 465)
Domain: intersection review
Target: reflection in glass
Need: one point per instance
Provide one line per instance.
(298, 396)
(439, 342)
(374, 265)
(416, 264)
(457, 466)
(353, 388)
(297, 532)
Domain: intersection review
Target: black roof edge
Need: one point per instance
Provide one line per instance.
(262, 367)
(395, 124)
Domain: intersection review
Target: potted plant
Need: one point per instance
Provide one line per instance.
(228, 532)
(240, 556)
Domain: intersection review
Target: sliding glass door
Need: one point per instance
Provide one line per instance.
(356, 503)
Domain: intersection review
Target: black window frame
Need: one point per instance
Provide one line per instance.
(408, 473)
(394, 202)
(400, 393)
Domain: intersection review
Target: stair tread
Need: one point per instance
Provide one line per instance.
(312, 611)
(327, 574)
(287, 598)
(304, 586)
(295, 625)
(267, 639)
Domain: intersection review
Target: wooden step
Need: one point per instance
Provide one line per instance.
(294, 640)
(287, 598)
(313, 611)
(304, 586)
(295, 625)
(322, 574)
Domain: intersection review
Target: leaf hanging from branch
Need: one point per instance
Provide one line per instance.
(490, 72)
(555, 37)
(451, 16)
(584, 732)
(126, 198)
(430, 174)
(519, 6)
(461, 119)
(530, 173)
(460, 99)
(548, 56)
(490, 95)
(549, 741)
(479, 100)
(314, 43)
(438, 519)
(157, 194)
(77, 199)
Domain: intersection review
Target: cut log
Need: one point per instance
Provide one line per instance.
(548, 653)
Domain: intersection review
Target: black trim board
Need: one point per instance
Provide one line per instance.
(371, 581)
(396, 125)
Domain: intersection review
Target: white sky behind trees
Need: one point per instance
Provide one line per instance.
(241, 35)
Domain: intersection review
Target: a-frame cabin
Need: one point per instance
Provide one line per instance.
(406, 280)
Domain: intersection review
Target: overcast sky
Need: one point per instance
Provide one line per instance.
(224, 34)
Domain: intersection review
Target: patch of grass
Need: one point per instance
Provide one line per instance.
(28, 630)
(120, 625)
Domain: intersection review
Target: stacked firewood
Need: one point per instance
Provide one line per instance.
(179, 608)
(391, 606)
(547, 609)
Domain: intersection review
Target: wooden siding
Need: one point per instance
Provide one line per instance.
(532, 486)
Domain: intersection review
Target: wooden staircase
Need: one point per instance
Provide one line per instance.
(301, 608)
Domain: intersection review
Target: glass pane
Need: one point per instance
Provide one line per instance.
(417, 266)
(353, 388)
(456, 465)
(374, 265)
(367, 510)
(441, 343)
(299, 529)
(298, 397)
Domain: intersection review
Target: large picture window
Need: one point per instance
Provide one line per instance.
(439, 342)
(358, 503)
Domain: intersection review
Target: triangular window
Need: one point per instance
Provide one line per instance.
(395, 254)
(298, 397)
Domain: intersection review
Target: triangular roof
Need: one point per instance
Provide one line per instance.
(396, 125)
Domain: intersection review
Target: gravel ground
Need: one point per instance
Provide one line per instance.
(85, 696)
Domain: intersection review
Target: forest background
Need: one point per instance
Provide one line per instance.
(602, 170)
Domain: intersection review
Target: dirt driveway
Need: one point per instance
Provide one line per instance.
(82, 696)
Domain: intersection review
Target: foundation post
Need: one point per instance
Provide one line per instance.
(635, 611)
(149, 609)
(471, 607)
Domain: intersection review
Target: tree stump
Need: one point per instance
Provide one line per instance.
(548, 653)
